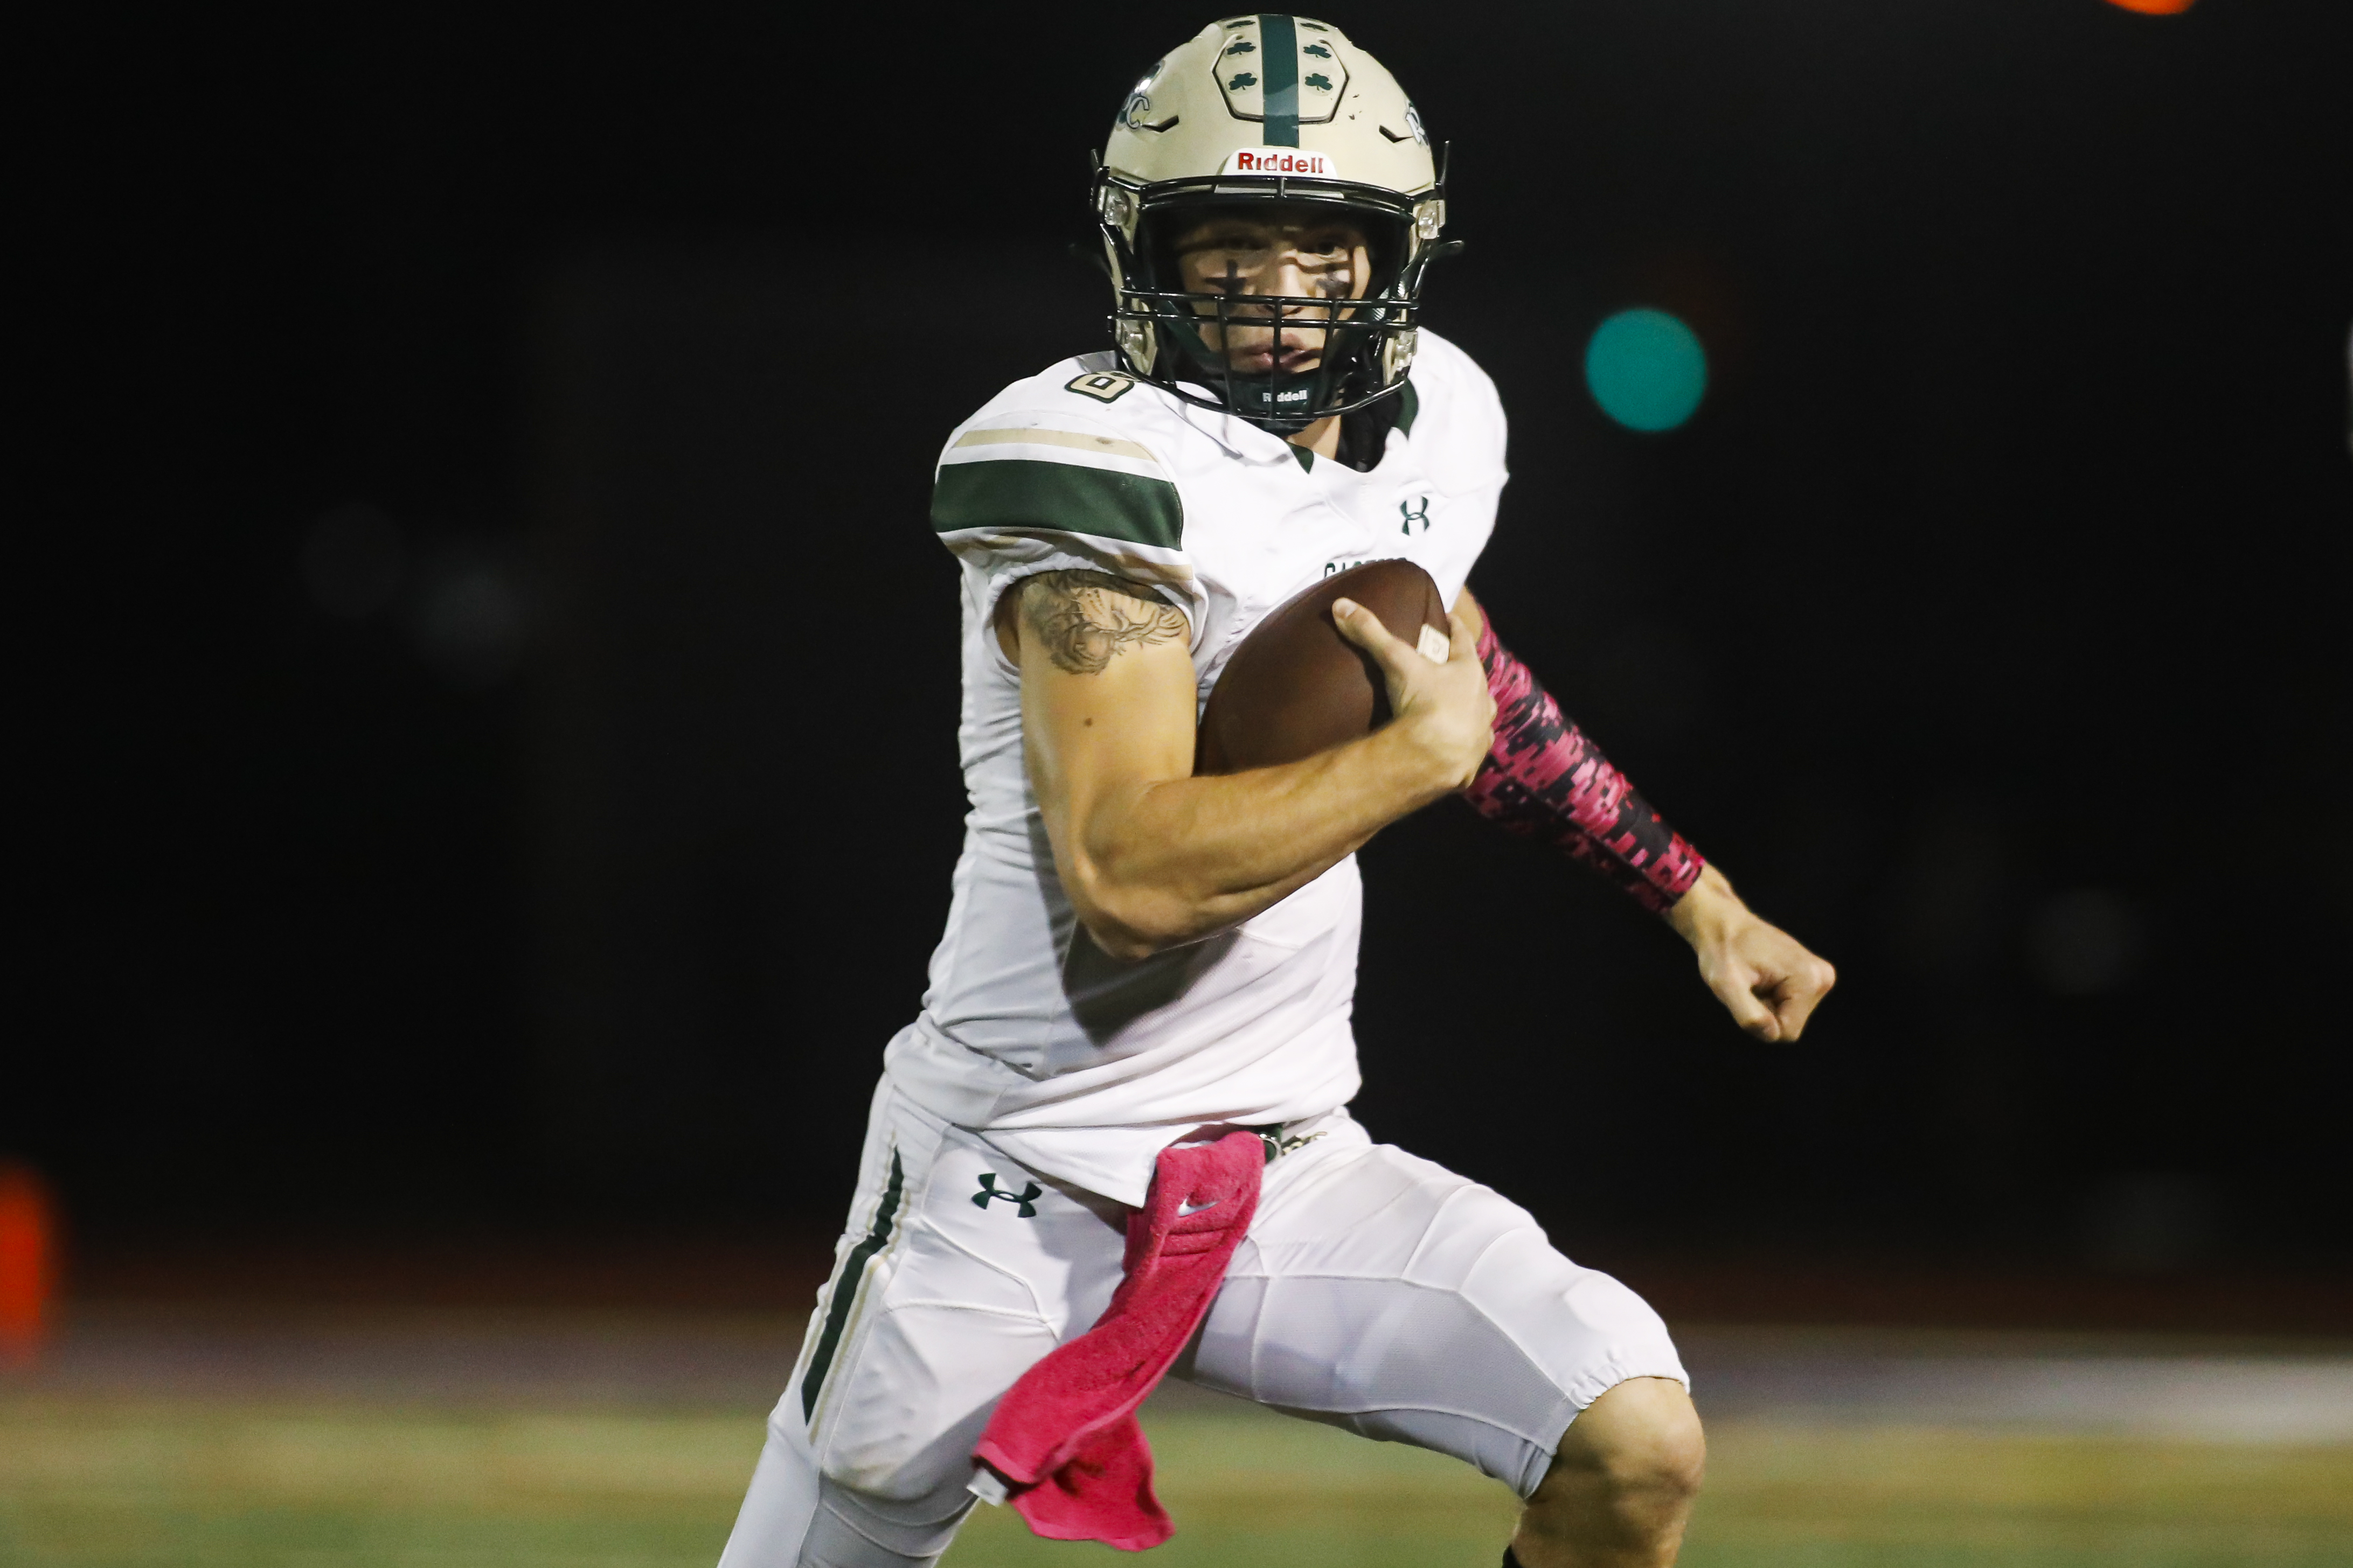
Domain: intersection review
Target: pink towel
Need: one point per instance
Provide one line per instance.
(1065, 1438)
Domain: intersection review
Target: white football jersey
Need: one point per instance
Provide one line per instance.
(1081, 1066)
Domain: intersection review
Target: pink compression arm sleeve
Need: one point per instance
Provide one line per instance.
(1545, 780)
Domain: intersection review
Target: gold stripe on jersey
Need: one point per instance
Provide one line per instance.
(1107, 446)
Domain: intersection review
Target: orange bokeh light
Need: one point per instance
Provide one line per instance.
(27, 1262)
(2154, 7)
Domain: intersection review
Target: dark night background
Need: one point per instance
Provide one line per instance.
(492, 686)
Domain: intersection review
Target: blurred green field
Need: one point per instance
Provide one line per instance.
(90, 1483)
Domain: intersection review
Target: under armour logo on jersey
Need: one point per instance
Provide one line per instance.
(1025, 1202)
(1413, 514)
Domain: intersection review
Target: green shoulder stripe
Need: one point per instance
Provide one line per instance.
(1015, 493)
(1408, 407)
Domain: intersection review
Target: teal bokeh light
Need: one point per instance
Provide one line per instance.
(1646, 370)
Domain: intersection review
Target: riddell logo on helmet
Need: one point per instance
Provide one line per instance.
(1280, 161)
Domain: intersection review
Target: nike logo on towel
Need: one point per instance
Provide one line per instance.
(1184, 1209)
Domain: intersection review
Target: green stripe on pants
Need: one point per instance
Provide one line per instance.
(845, 1289)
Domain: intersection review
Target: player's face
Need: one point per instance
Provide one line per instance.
(1292, 253)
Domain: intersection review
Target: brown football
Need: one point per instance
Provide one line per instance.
(1296, 686)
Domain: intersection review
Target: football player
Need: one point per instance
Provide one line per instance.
(1136, 957)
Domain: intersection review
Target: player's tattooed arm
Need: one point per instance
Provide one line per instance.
(1083, 620)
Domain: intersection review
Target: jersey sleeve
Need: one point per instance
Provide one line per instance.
(1031, 490)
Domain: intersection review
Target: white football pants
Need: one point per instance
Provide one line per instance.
(1376, 1291)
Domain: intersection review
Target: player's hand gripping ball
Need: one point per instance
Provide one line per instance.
(1296, 686)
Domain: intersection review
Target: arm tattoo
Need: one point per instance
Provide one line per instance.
(1084, 619)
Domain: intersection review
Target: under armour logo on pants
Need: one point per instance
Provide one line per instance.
(1024, 1202)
